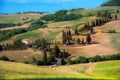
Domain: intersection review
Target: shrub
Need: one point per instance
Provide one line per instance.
(4, 58)
(69, 61)
(39, 62)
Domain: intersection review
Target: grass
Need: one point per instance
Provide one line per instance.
(102, 70)
(23, 55)
(53, 35)
(30, 35)
(109, 69)
(17, 18)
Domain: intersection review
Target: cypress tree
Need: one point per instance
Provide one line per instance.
(1, 48)
(88, 38)
(76, 31)
(69, 32)
(78, 41)
(83, 41)
(56, 50)
(44, 57)
(43, 43)
(64, 37)
(63, 58)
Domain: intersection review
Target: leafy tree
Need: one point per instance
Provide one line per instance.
(35, 25)
(69, 61)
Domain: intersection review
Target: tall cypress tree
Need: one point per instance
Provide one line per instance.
(45, 57)
(69, 32)
(64, 37)
(88, 39)
(78, 41)
(56, 50)
(43, 43)
(83, 41)
(1, 48)
(76, 31)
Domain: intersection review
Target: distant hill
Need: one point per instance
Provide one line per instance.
(112, 3)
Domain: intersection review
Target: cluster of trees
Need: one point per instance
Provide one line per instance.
(112, 3)
(104, 14)
(50, 55)
(5, 25)
(98, 22)
(66, 37)
(17, 45)
(61, 15)
(97, 58)
(35, 25)
(88, 40)
(6, 34)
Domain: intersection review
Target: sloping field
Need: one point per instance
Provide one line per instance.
(16, 27)
(22, 55)
(18, 18)
(113, 25)
(99, 70)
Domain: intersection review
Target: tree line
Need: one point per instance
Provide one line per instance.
(67, 38)
(6, 34)
(97, 58)
(61, 15)
(5, 25)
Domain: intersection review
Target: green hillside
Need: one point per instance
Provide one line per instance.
(102, 70)
(112, 3)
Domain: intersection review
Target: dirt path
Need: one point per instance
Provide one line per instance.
(90, 68)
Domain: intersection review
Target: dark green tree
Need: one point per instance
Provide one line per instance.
(70, 35)
(43, 44)
(88, 39)
(76, 31)
(1, 48)
(83, 42)
(56, 50)
(78, 41)
(64, 37)
(44, 57)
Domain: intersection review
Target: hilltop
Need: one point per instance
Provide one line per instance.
(112, 3)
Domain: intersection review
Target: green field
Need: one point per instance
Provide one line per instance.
(17, 18)
(102, 70)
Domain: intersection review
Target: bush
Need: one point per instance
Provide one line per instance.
(39, 62)
(112, 31)
(69, 61)
(81, 60)
(26, 62)
(4, 58)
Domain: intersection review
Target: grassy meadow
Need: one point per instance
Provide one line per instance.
(101, 70)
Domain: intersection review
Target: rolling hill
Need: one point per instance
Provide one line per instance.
(112, 3)
(99, 70)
